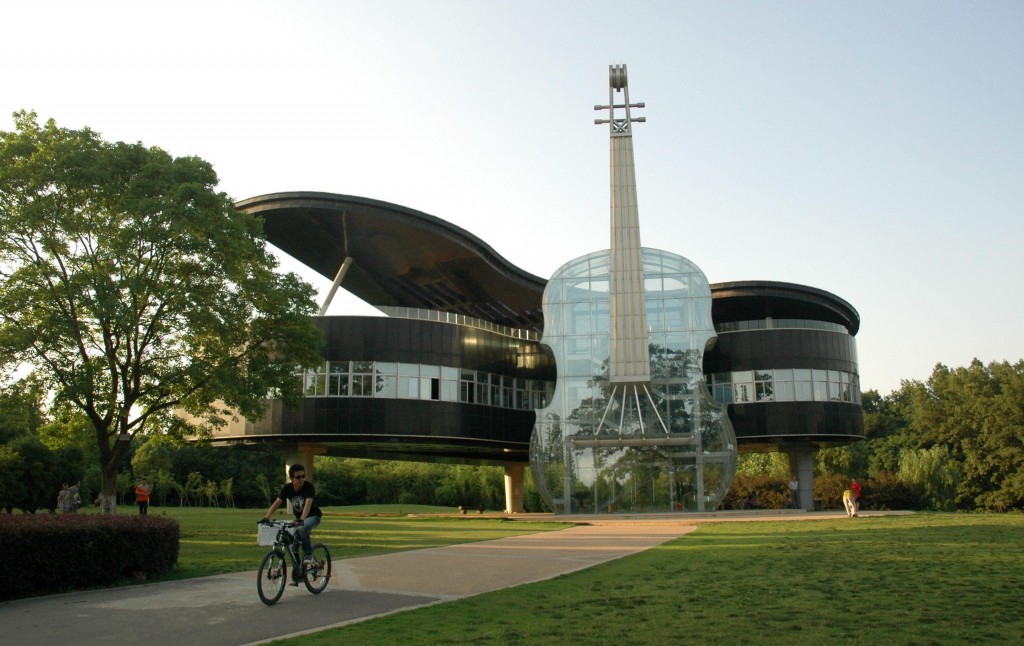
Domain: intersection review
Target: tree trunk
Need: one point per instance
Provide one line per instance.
(108, 497)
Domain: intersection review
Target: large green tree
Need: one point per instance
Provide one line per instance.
(134, 288)
(977, 413)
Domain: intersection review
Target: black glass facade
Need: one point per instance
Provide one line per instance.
(460, 404)
(785, 363)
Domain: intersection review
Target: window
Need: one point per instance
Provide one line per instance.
(337, 379)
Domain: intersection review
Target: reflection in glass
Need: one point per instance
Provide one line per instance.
(666, 447)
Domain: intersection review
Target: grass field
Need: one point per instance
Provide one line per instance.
(918, 579)
(219, 540)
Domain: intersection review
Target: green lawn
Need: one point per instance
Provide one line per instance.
(919, 579)
(218, 540)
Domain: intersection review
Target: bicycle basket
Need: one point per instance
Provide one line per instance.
(266, 535)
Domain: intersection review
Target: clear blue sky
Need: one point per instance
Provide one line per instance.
(872, 149)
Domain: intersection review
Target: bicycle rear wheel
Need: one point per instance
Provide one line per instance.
(272, 576)
(319, 574)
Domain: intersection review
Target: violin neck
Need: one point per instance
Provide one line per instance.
(630, 361)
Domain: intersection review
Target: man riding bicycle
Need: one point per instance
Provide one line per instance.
(299, 495)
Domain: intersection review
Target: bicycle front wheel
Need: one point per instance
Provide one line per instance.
(271, 578)
(319, 573)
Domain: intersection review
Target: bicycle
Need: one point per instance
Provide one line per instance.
(273, 572)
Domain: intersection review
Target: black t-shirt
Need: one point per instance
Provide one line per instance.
(296, 500)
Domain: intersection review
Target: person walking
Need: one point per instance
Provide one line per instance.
(855, 488)
(850, 502)
(74, 497)
(63, 500)
(794, 492)
(142, 496)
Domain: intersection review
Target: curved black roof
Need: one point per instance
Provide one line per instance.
(758, 299)
(401, 257)
(407, 258)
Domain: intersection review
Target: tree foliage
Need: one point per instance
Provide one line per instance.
(133, 287)
(977, 413)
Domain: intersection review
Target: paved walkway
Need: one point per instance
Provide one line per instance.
(225, 610)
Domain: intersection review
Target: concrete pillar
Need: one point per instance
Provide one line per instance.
(302, 454)
(514, 477)
(801, 464)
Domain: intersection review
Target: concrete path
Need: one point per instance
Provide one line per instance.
(224, 610)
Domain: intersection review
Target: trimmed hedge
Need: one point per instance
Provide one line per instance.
(55, 553)
(772, 493)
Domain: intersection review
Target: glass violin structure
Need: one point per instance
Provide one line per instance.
(631, 425)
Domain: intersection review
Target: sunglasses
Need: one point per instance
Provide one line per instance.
(302, 477)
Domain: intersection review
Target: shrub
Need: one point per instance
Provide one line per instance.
(53, 553)
(885, 492)
(829, 490)
(772, 493)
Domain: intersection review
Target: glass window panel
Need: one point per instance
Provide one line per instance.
(309, 387)
(409, 369)
(762, 375)
(408, 387)
(449, 373)
(602, 312)
(742, 393)
(578, 367)
(802, 374)
(723, 393)
(835, 390)
(362, 366)
(765, 391)
(385, 386)
(783, 375)
(784, 391)
(577, 289)
(386, 368)
(803, 391)
(468, 375)
(337, 385)
(655, 312)
(820, 391)
(579, 317)
(743, 375)
(430, 371)
(449, 390)
(677, 313)
(675, 285)
(362, 385)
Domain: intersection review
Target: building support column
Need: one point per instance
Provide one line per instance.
(514, 478)
(801, 465)
(302, 454)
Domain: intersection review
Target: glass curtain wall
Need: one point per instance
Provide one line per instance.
(670, 449)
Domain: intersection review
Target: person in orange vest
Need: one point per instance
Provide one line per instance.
(142, 496)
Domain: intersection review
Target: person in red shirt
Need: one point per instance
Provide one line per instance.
(142, 496)
(855, 487)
